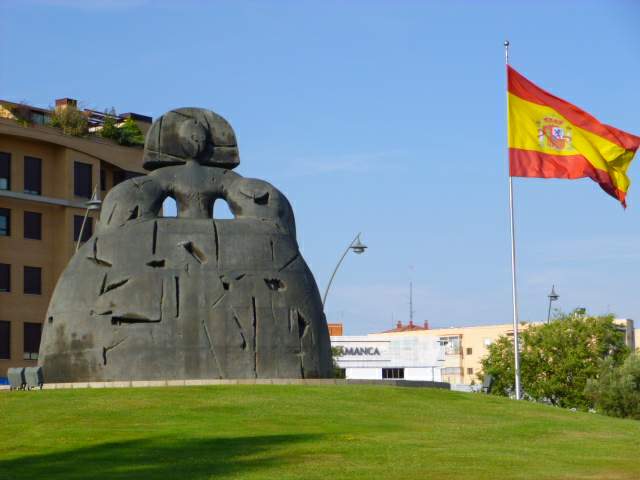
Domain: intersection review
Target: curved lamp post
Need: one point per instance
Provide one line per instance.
(358, 247)
(553, 296)
(93, 204)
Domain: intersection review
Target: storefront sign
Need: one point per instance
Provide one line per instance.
(341, 351)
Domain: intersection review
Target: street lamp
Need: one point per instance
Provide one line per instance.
(553, 296)
(93, 204)
(358, 247)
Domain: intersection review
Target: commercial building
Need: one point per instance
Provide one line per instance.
(415, 352)
(46, 178)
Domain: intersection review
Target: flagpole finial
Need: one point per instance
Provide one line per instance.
(506, 43)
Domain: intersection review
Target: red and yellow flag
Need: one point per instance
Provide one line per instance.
(551, 138)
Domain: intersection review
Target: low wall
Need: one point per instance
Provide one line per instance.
(258, 381)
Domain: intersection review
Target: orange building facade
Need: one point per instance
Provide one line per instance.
(46, 179)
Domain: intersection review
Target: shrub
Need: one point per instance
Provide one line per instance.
(71, 120)
(616, 392)
(128, 133)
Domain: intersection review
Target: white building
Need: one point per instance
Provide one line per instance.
(394, 357)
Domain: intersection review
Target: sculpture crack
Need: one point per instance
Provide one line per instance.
(113, 210)
(217, 242)
(194, 251)
(211, 349)
(94, 258)
(302, 330)
(261, 199)
(295, 257)
(155, 238)
(156, 263)
(104, 284)
(106, 350)
(244, 340)
(177, 285)
(274, 284)
(302, 327)
(133, 214)
(215, 304)
(112, 286)
(255, 336)
(132, 317)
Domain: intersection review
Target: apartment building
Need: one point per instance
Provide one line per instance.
(46, 179)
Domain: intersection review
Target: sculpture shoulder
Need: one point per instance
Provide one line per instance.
(249, 197)
(138, 197)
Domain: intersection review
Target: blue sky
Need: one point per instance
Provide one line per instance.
(381, 117)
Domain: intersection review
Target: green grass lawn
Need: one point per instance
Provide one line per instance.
(305, 432)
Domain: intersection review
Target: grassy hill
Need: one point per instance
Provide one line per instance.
(305, 432)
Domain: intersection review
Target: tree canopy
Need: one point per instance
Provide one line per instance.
(557, 359)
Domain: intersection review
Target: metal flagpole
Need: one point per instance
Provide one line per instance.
(514, 291)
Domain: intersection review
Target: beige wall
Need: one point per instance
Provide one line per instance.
(470, 338)
(53, 251)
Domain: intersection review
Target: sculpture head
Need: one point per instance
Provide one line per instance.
(190, 134)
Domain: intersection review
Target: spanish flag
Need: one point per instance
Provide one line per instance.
(551, 138)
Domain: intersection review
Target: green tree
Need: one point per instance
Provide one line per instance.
(616, 391)
(71, 120)
(557, 359)
(128, 133)
(109, 128)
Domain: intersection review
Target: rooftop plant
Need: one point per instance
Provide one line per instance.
(126, 133)
(71, 120)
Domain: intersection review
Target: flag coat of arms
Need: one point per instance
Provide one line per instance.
(552, 138)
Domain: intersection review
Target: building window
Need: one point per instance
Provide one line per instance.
(5, 222)
(469, 351)
(394, 373)
(103, 179)
(451, 371)
(39, 118)
(32, 334)
(5, 171)
(122, 175)
(77, 226)
(5, 339)
(5, 277)
(469, 371)
(32, 175)
(82, 186)
(33, 280)
(450, 345)
(33, 225)
(118, 176)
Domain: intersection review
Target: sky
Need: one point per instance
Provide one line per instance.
(381, 117)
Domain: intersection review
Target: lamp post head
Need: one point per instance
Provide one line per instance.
(95, 203)
(358, 247)
(553, 296)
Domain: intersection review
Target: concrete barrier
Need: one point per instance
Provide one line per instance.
(244, 381)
